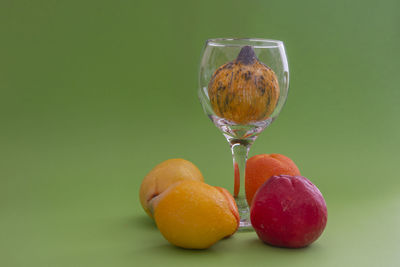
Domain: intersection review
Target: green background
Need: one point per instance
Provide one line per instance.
(93, 94)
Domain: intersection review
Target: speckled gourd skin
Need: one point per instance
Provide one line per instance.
(244, 90)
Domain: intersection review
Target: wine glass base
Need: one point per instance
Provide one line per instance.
(245, 227)
(244, 213)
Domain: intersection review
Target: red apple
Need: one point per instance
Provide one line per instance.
(288, 211)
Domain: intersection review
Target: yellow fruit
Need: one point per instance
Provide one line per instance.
(195, 215)
(164, 175)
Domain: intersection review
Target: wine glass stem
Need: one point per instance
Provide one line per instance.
(240, 149)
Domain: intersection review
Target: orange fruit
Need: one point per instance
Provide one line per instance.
(260, 168)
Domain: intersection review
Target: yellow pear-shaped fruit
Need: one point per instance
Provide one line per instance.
(195, 215)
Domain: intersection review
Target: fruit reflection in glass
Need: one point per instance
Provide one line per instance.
(243, 84)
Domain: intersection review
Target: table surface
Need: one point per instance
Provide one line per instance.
(94, 95)
(99, 231)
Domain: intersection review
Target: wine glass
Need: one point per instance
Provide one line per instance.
(243, 85)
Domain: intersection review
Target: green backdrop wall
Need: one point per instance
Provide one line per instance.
(93, 94)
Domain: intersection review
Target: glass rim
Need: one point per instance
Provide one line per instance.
(255, 42)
